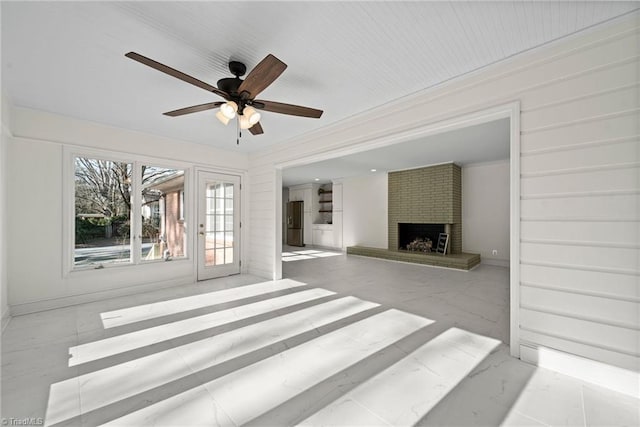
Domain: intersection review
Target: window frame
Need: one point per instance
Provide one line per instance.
(137, 161)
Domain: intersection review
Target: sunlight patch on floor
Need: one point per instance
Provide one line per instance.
(109, 385)
(130, 341)
(406, 391)
(257, 388)
(307, 254)
(139, 313)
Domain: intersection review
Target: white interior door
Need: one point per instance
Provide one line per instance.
(218, 225)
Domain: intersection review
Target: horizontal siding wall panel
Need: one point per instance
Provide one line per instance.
(605, 77)
(614, 312)
(261, 180)
(263, 196)
(614, 179)
(618, 153)
(262, 220)
(592, 105)
(610, 285)
(616, 207)
(263, 187)
(615, 358)
(613, 338)
(579, 188)
(619, 259)
(618, 125)
(622, 234)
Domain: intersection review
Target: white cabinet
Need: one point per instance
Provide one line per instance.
(323, 235)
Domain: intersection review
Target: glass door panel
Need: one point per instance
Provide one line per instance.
(218, 225)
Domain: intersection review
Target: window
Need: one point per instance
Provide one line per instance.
(126, 213)
(102, 212)
(219, 217)
(163, 232)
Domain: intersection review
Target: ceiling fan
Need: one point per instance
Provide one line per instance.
(240, 95)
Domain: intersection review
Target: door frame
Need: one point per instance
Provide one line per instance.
(199, 203)
(510, 110)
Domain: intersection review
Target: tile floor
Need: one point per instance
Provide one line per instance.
(341, 341)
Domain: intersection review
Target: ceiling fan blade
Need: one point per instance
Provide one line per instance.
(292, 110)
(193, 109)
(175, 73)
(256, 129)
(262, 76)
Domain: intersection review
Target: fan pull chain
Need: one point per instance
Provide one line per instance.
(239, 132)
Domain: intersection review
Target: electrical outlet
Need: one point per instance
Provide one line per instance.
(494, 252)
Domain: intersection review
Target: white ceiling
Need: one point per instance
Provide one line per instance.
(343, 57)
(481, 143)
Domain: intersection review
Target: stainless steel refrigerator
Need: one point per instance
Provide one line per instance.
(295, 223)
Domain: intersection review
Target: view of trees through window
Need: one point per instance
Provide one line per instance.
(104, 212)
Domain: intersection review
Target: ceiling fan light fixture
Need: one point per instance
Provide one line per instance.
(252, 115)
(229, 109)
(224, 119)
(244, 122)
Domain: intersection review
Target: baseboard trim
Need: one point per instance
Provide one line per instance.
(496, 262)
(53, 303)
(608, 376)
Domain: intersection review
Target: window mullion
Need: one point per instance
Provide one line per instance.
(136, 213)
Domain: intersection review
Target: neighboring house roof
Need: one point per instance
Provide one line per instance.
(167, 183)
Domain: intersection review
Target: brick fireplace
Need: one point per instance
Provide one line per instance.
(425, 198)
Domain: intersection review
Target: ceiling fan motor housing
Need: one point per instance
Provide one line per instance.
(231, 84)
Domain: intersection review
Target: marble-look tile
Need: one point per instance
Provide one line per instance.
(32, 362)
(516, 419)
(106, 386)
(552, 398)
(220, 348)
(406, 391)
(164, 308)
(255, 389)
(24, 398)
(252, 390)
(32, 331)
(336, 361)
(194, 407)
(605, 407)
(344, 412)
(472, 300)
(486, 395)
(129, 341)
(63, 401)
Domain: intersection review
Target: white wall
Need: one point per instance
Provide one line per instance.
(4, 141)
(578, 287)
(285, 199)
(365, 214)
(37, 278)
(485, 211)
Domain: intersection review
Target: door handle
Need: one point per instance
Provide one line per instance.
(201, 233)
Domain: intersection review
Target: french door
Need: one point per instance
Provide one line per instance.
(218, 225)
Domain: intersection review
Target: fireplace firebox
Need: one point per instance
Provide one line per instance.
(408, 232)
